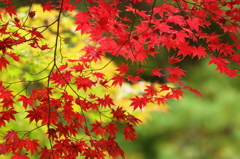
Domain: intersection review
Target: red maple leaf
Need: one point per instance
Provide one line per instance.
(176, 71)
(129, 132)
(118, 80)
(98, 129)
(17, 155)
(10, 10)
(132, 119)
(14, 56)
(104, 83)
(8, 114)
(185, 49)
(119, 114)
(173, 60)
(156, 72)
(140, 70)
(111, 129)
(123, 68)
(222, 66)
(150, 91)
(47, 6)
(175, 93)
(35, 114)
(52, 134)
(191, 89)
(139, 102)
(175, 74)
(11, 136)
(160, 100)
(26, 101)
(106, 101)
(164, 87)
(61, 79)
(78, 68)
(66, 6)
(134, 79)
(3, 63)
(84, 83)
(82, 22)
(199, 51)
(31, 146)
(98, 75)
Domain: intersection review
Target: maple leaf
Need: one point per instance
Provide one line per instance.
(193, 23)
(191, 89)
(235, 38)
(132, 119)
(52, 134)
(35, 34)
(98, 75)
(106, 101)
(47, 6)
(134, 79)
(199, 51)
(43, 47)
(175, 93)
(139, 102)
(10, 10)
(222, 66)
(177, 71)
(84, 82)
(98, 129)
(48, 154)
(129, 132)
(113, 149)
(156, 72)
(160, 100)
(140, 70)
(31, 146)
(104, 83)
(119, 114)
(14, 56)
(173, 60)
(11, 136)
(82, 22)
(150, 91)
(118, 80)
(61, 79)
(3, 147)
(8, 115)
(111, 129)
(185, 49)
(3, 31)
(78, 68)
(177, 19)
(26, 101)
(7, 1)
(66, 6)
(123, 68)
(3, 63)
(175, 74)
(17, 155)
(35, 114)
(226, 49)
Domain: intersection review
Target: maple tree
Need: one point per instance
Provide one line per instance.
(67, 96)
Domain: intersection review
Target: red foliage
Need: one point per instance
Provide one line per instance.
(65, 100)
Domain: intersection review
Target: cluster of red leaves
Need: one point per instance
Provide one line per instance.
(178, 25)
